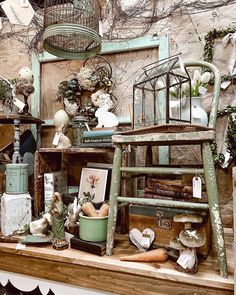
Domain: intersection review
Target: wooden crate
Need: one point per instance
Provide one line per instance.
(160, 220)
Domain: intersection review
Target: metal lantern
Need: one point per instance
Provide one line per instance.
(162, 95)
(71, 28)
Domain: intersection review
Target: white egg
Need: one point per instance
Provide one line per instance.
(26, 74)
(61, 119)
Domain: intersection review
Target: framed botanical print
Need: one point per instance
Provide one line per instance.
(94, 185)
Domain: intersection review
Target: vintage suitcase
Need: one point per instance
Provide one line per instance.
(160, 220)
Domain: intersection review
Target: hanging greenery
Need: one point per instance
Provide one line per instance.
(228, 110)
(231, 136)
(209, 46)
(230, 139)
(217, 158)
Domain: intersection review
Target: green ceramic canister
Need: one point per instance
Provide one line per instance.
(93, 229)
(16, 178)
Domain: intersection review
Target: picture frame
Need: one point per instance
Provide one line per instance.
(94, 184)
(160, 45)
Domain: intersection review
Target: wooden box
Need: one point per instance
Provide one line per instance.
(160, 220)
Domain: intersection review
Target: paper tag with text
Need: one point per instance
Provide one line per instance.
(17, 14)
(56, 139)
(185, 258)
(18, 103)
(197, 187)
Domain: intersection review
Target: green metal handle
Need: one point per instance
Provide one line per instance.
(216, 89)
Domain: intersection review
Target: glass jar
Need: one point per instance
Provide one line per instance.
(78, 127)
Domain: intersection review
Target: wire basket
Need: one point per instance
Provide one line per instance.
(71, 28)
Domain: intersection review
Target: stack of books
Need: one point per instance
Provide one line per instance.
(169, 189)
(98, 138)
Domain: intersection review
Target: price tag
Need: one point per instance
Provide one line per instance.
(197, 187)
(146, 241)
(24, 3)
(16, 13)
(185, 259)
(18, 103)
(56, 139)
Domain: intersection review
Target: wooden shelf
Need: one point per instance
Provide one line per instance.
(72, 160)
(112, 275)
(77, 150)
(9, 119)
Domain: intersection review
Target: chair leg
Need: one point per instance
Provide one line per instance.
(114, 191)
(211, 185)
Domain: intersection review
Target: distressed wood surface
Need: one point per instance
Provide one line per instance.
(9, 119)
(164, 138)
(163, 203)
(6, 135)
(162, 170)
(234, 218)
(214, 209)
(111, 274)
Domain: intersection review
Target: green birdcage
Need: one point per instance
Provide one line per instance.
(71, 28)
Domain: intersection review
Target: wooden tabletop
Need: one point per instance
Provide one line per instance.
(75, 150)
(110, 274)
(9, 119)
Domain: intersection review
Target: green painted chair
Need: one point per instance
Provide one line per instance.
(202, 136)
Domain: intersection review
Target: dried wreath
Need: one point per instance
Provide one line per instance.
(84, 83)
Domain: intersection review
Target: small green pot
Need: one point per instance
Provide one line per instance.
(93, 229)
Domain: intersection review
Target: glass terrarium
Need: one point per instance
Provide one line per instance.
(160, 94)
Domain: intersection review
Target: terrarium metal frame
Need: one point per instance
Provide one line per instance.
(168, 73)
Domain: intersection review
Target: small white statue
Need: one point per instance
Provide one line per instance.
(63, 141)
(106, 118)
(73, 214)
(103, 101)
(61, 122)
(39, 227)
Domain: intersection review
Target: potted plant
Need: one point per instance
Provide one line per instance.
(198, 90)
